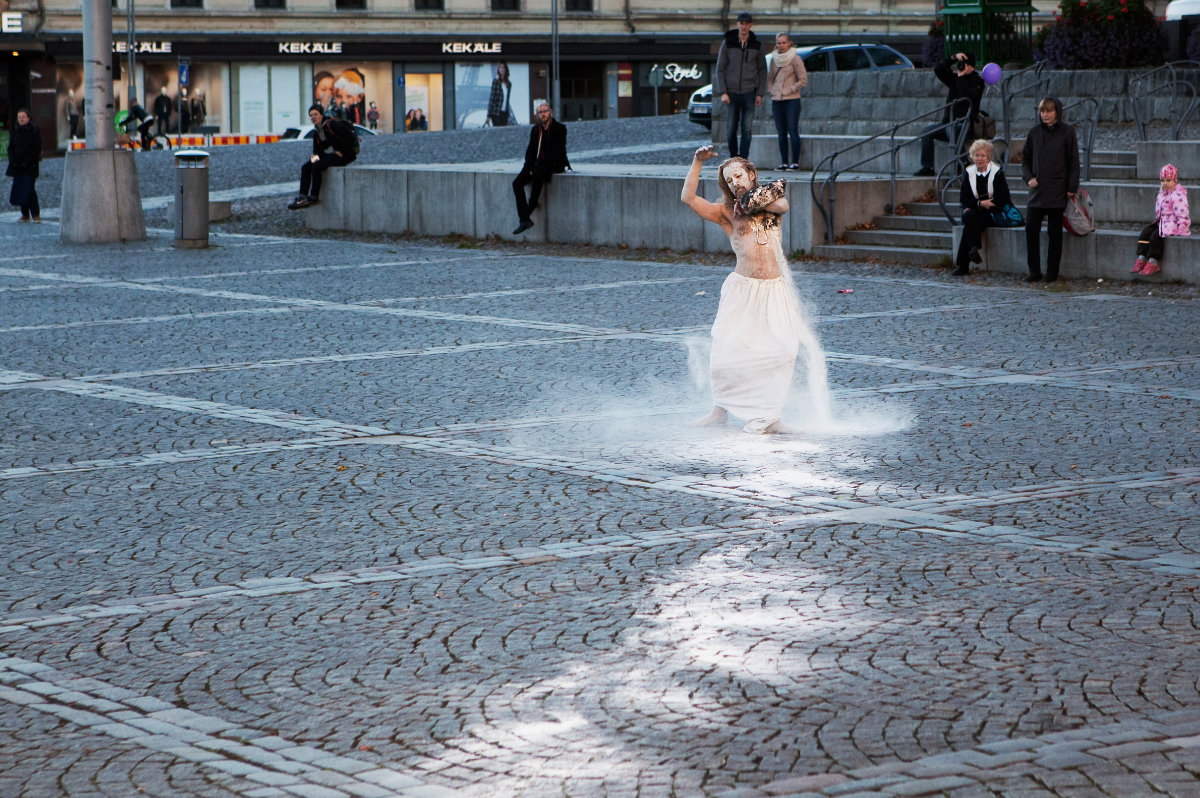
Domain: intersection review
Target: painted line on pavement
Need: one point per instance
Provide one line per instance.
(262, 760)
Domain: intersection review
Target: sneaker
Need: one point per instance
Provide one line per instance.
(23, 219)
(782, 167)
(522, 227)
(298, 203)
(795, 167)
(924, 171)
(961, 271)
(1151, 268)
(1138, 265)
(37, 220)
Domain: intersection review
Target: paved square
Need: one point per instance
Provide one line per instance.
(312, 518)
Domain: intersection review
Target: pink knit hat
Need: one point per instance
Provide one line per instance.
(1168, 172)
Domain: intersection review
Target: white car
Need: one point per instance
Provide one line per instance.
(306, 132)
(1178, 9)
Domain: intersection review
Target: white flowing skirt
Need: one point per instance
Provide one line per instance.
(756, 338)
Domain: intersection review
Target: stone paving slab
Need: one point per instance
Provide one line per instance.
(428, 521)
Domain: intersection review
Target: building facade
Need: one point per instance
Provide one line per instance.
(254, 66)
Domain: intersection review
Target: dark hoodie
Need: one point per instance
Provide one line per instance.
(740, 69)
(1051, 154)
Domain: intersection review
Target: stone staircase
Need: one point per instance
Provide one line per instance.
(919, 232)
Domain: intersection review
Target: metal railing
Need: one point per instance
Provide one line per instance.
(1160, 80)
(1087, 143)
(1036, 80)
(956, 131)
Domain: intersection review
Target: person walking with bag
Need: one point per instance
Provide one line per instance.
(24, 157)
(983, 197)
(785, 78)
(1172, 217)
(1050, 167)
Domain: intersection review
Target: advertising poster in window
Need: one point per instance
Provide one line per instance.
(347, 91)
(492, 94)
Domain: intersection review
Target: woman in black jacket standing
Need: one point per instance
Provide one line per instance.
(1050, 166)
(24, 154)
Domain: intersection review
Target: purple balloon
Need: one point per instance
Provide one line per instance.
(991, 73)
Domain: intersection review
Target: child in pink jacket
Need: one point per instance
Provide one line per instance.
(1172, 219)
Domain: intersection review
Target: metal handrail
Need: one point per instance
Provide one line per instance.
(828, 187)
(1089, 134)
(1040, 87)
(1139, 96)
(1085, 167)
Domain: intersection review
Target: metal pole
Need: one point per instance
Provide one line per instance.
(97, 74)
(129, 39)
(555, 89)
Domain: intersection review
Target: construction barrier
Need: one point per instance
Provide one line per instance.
(201, 140)
(187, 140)
(223, 139)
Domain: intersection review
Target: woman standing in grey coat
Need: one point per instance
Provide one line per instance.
(1050, 167)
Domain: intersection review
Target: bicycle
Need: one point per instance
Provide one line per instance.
(129, 123)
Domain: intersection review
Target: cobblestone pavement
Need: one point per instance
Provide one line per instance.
(293, 518)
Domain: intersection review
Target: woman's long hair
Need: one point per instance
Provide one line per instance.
(504, 66)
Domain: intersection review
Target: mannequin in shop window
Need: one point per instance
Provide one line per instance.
(162, 112)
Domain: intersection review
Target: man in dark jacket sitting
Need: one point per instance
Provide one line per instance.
(545, 156)
(958, 73)
(335, 143)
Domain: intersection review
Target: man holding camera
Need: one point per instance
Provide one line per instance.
(958, 73)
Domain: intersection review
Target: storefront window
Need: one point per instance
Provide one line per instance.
(423, 102)
(473, 84)
(348, 91)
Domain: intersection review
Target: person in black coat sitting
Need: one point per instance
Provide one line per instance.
(335, 143)
(984, 191)
(545, 156)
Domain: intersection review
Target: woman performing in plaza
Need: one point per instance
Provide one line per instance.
(759, 326)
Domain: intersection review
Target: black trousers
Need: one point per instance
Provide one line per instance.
(1150, 243)
(312, 172)
(534, 179)
(1033, 239)
(975, 221)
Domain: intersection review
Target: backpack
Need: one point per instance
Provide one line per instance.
(344, 133)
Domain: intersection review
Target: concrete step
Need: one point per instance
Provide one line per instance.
(901, 239)
(1101, 171)
(893, 222)
(1123, 157)
(853, 252)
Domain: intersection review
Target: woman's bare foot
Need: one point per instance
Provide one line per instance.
(717, 417)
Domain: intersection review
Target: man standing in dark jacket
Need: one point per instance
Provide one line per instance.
(335, 143)
(740, 80)
(958, 73)
(1050, 167)
(545, 156)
